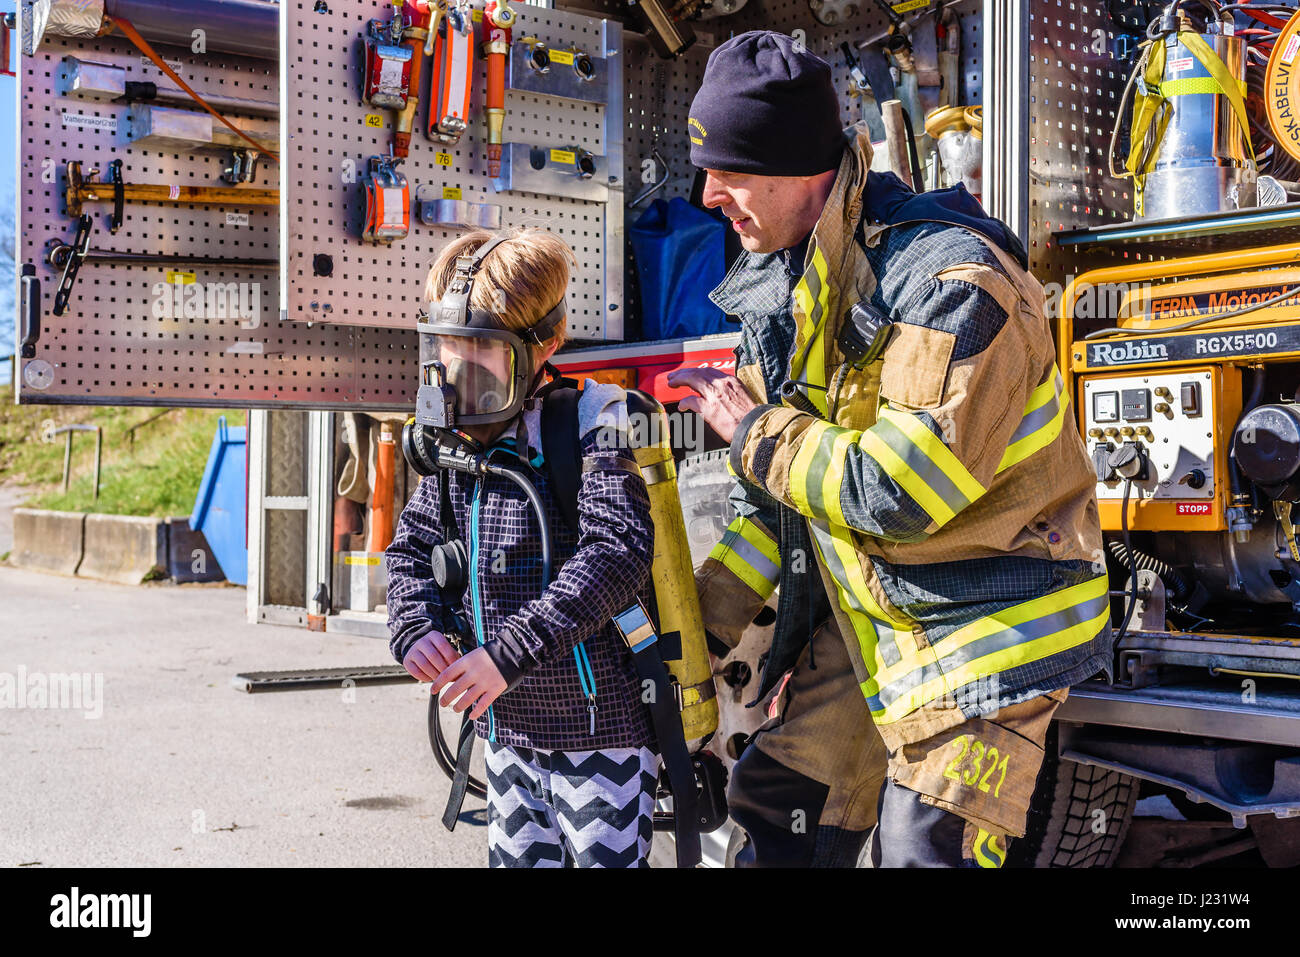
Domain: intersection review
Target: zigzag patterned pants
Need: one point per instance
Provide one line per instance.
(570, 808)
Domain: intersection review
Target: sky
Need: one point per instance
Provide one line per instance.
(8, 132)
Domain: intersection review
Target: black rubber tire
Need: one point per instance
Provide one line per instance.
(1062, 814)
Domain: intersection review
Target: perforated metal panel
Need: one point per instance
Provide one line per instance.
(1076, 78)
(329, 144)
(122, 338)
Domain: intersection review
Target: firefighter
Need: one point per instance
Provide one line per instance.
(908, 476)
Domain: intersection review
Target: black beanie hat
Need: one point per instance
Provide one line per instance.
(767, 106)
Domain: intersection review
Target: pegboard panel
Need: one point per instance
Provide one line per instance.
(125, 338)
(329, 144)
(1078, 64)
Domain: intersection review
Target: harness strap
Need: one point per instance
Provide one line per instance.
(665, 714)
(460, 780)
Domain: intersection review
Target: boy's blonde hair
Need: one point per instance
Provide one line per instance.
(520, 281)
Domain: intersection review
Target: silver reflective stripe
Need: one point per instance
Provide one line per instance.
(750, 555)
(920, 464)
(1039, 417)
(991, 644)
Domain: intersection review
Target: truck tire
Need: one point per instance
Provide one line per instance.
(1064, 828)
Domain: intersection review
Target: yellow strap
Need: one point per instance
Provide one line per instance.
(1227, 82)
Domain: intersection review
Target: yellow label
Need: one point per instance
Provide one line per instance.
(909, 5)
(451, 192)
(562, 56)
(375, 120)
(565, 157)
(443, 159)
(477, 16)
(361, 559)
(183, 278)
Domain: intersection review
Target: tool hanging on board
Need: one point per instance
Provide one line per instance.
(415, 17)
(77, 254)
(388, 201)
(498, 19)
(81, 191)
(143, 46)
(453, 74)
(388, 65)
(58, 252)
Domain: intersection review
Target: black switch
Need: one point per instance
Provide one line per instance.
(1136, 405)
(1190, 398)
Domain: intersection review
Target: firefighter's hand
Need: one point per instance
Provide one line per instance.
(471, 680)
(722, 400)
(429, 657)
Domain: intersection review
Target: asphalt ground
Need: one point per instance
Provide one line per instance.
(181, 769)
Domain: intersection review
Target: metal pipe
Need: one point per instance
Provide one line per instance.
(246, 27)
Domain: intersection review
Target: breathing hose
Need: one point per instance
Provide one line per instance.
(442, 751)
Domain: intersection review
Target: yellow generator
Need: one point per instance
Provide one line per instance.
(1186, 382)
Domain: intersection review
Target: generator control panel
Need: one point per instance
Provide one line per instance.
(1163, 416)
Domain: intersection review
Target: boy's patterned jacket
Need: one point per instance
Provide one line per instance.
(531, 635)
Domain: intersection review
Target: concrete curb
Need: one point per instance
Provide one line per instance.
(124, 548)
(48, 541)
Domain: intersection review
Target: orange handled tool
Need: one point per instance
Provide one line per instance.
(415, 31)
(498, 19)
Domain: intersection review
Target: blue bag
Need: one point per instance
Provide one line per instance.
(679, 261)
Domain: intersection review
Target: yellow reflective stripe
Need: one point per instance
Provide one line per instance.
(798, 477)
(750, 555)
(833, 480)
(815, 364)
(1041, 422)
(921, 464)
(863, 628)
(812, 305)
(1017, 654)
(986, 841)
(871, 626)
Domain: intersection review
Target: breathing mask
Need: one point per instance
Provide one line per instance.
(473, 370)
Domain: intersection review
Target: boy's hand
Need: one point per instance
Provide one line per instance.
(429, 657)
(474, 680)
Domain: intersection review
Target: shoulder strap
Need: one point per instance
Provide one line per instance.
(562, 447)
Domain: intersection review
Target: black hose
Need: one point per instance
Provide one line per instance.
(536, 501)
(442, 752)
(1132, 564)
(1175, 581)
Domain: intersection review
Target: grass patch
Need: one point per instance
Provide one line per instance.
(158, 475)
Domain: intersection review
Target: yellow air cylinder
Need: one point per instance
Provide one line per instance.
(676, 600)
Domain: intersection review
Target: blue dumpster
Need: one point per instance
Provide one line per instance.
(221, 508)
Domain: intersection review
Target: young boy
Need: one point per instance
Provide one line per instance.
(571, 765)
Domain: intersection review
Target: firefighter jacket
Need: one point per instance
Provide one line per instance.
(948, 499)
